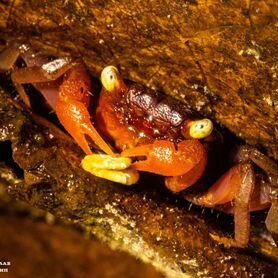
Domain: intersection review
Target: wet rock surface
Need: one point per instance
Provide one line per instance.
(35, 247)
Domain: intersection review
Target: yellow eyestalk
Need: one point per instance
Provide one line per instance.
(201, 128)
(110, 168)
(111, 79)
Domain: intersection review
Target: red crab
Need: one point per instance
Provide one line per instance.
(163, 137)
(170, 140)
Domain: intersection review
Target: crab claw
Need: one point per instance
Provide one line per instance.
(72, 109)
(110, 168)
(164, 159)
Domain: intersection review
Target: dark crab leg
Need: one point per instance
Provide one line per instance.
(41, 75)
(241, 209)
(7, 60)
(246, 153)
(235, 186)
(8, 57)
(272, 219)
(271, 169)
(38, 71)
(47, 72)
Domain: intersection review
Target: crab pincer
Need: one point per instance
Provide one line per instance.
(110, 168)
(72, 109)
(187, 160)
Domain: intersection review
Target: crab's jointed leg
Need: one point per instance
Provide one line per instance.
(238, 188)
(272, 219)
(8, 57)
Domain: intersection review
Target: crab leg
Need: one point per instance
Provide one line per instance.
(38, 71)
(237, 186)
(47, 72)
(246, 153)
(272, 219)
(241, 211)
(271, 169)
(45, 77)
(8, 57)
